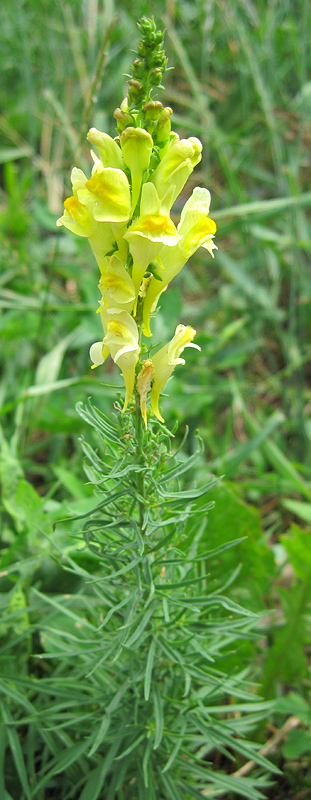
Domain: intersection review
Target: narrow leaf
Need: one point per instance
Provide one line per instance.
(158, 717)
(141, 627)
(95, 781)
(149, 667)
(16, 750)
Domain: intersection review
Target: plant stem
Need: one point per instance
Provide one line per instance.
(140, 461)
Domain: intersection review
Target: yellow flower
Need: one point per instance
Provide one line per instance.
(108, 149)
(144, 379)
(107, 194)
(196, 229)
(78, 219)
(116, 285)
(147, 235)
(121, 341)
(166, 359)
(136, 144)
(173, 171)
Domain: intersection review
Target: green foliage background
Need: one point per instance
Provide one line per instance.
(241, 83)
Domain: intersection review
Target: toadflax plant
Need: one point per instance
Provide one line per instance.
(150, 699)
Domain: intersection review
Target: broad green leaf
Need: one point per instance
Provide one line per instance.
(297, 743)
(233, 517)
(297, 545)
(294, 703)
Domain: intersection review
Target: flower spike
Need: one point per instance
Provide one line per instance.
(124, 210)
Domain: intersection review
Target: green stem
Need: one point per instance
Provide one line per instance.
(140, 461)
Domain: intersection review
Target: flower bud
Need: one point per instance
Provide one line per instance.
(152, 109)
(136, 145)
(163, 131)
(143, 384)
(176, 166)
(108, 149)
(122, 116)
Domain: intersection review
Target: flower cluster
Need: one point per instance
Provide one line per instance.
(124, 209)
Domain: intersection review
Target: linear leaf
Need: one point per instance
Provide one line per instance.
(96, 778)
(16, 750)
(191, 494)
(158, 717)
(145, 763)
(132, 746)
(204, 556)
(3, 742)
(176, 749)
(171, 788)
(101, 424)
(301, 510)
(149, 667)
(184, 466)
(141, 627)
(264, 207)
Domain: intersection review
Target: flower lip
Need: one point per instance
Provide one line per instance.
(107, 194)
(166, 359)
(76, 210)
(153, 224)
(200, 231)
(110, 281)
(101, 187)
(117, 328)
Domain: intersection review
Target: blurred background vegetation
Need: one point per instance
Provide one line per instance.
(241, 82)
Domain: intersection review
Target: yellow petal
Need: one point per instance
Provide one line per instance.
(121, 337)
(108, 149)
(166, 359)
(76, 218)
(198, 234)
(107, 194)
(116, 285)
(176, 166)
